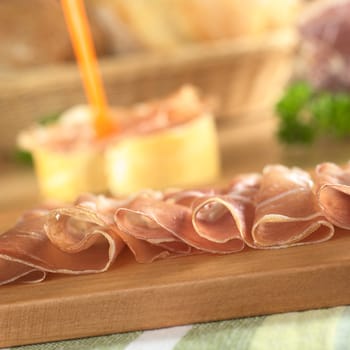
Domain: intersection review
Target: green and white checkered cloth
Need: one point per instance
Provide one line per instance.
(310, 330)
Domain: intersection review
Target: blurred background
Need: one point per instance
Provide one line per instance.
(147, 48)
(244, 55)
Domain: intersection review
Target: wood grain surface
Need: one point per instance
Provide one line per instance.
(133, 296)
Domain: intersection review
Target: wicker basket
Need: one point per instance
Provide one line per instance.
(245, 75)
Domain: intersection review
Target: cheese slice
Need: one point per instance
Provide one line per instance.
(64, 175)
(181, 156)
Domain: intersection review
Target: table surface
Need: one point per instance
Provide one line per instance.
(246, 146)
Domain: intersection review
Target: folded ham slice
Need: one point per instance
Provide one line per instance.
(15, 244)
(333, 192)
(188, 222)
(228, 215)
(146, 228)
(71, 240)
(287, 212)
(161, 224)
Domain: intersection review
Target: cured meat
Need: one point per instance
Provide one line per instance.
(144, 251)
(142, 226)
(172, 226)
(275, 209)
(186, 197)
(228, 215)
(189, 221)
(223, 219)
(333, 192)
(245, 185)
(70, 240)
(12, 253)
(157, 222)
(287, 212)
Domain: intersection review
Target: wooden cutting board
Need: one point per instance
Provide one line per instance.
(134, 296)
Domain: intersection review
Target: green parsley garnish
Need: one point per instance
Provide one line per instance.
(306, 114)
(49, 119)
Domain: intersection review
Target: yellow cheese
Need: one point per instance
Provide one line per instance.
(64, 175)
(65, 172)
(181, 156)
(69, 160)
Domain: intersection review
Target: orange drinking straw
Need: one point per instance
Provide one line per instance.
(82, 42)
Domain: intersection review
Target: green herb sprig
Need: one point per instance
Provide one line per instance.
(306, 114)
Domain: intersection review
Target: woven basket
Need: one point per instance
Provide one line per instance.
(245, 75)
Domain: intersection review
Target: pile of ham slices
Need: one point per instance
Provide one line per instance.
(279, 208)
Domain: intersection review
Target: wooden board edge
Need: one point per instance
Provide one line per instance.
(175, 304)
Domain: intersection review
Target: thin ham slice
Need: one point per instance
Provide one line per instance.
(245, 185)
(141, 232)
(224, 220)
(227, 216)
(185, 222)
(71, 240)
(144, 252)
(333, 192)
(164, 224)
(287, 212)
(12, 267)
(187, 197)
(156, 222)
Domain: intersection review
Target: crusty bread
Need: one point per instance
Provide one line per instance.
(165, 24)
(146, 21)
